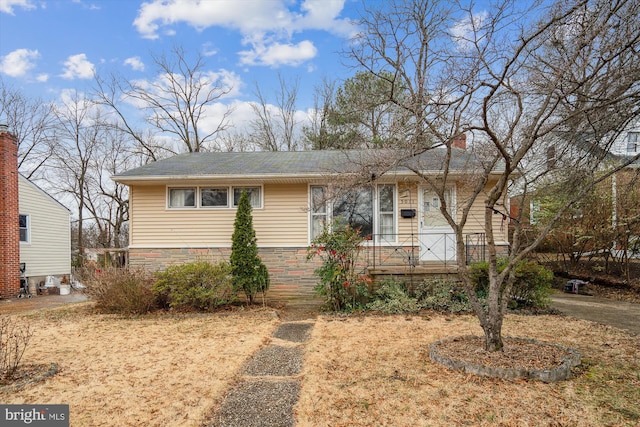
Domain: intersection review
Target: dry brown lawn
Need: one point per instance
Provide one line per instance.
(162, 370)
(172, 370)
(375, 371)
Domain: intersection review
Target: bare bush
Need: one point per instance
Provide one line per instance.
(14, 339)
(117, 290)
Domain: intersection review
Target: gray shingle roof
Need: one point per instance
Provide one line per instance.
(278, 163)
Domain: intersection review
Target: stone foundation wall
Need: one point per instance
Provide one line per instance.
(290, 273)
(287, 266)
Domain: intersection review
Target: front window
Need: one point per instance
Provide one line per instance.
(253, 192)
(633, 141)
(214, 197)
(24, 228)
(318, 211)
(182, 197)
(386, 211)
(534, 211)
(356, 209)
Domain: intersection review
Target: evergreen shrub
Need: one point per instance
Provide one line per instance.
(197, 285)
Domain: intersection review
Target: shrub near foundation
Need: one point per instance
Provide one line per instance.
(123, 291)
(339, 247)
(390, 297)
(197, 285)
(442, 295)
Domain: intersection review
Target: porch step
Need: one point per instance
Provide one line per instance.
(291, 293)
(423, 269)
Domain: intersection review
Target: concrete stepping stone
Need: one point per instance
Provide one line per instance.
(294, 332)
(267, 394)
(275, 360)
(259, 404)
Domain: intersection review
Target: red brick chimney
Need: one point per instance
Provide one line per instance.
(460, 142)
(9, 230)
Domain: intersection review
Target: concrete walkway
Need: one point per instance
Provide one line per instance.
(619, 314)
(270, 383)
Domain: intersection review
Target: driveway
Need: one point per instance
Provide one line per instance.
(619, 314)
(15, 305)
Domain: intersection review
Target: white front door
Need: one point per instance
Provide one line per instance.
(437, 241)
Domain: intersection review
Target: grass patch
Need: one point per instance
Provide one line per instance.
(384, 361)
(154, 370)
(162, 369)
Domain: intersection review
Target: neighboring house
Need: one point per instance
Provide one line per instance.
(184, 208)
(45, 234)
(34, 228)
(628, 142)
(622, 187)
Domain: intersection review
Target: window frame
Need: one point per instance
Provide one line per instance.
(376, 212)
(392, 212)
(243, 187)
(26, 228)
(633, 141)
(198, 189)
(317, 212)
(195, 197)
(221, 187)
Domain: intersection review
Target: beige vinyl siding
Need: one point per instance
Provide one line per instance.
(48, 251)
(475, 220)
(282, 221)
(407, 200)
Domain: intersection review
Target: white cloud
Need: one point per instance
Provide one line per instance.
(265, 25)
(224, 84)
(135, 63)
(42, 78)
(279, 54)
(468, 30)
(7, 6)
(77, 66)
(208, 49)
(18, 62)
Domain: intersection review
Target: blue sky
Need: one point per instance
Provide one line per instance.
(48, 47)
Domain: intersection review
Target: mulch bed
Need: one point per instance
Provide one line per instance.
(519, 359)
(516, 353)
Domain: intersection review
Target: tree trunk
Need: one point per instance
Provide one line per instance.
(493, 332)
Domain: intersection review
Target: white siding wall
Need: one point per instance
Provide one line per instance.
(620, 144)
(48, 251)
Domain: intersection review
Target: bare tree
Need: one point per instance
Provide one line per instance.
(275, 127)
(177, 104)
(318, 135)
(80, 130)
(107, 201)
(31, 120)
(110, 93)
(517, 78)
